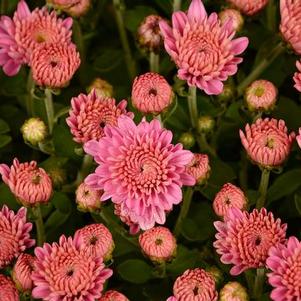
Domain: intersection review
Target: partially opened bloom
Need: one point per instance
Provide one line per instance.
(233, 15)
(244, 239)
(66, 271)
(249, 7)
(34, 130)
(75, 8)
(151, 93)
(14, 235)
(112, 295)
(8, 292)
(233, 291)
(203, 49)
(297, 76)
(89, 114)
(140, 168)
(88, 199)
(29, 183)
(267, 142)
(199, 168)
(284, 261)
(228, 197)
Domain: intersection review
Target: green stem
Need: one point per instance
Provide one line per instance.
(271, 15)
(263, 188)
(39, 225)
(29, 98)
(161, 269)
(176, 5)
(249, 279)
(49, 109)
(243, 173)
(204, 145)
(154, 62)
(130, 63)
(84, 170)
(192, 105)
(258, 284)
(4, 6)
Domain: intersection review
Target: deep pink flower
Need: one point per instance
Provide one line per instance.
(30, 184)
(244, 239)
(233, 15)
(297, 76)
(233, 291)
(267, 142)
(113, 296)
(202, 48)
(88, 199)
(141, 168)
(284, 261)
(14, 235)
(228, 197)
(89, 114)
(199, 168)
(8, 292)
(249, 7)
(66, 271)
(75, 8)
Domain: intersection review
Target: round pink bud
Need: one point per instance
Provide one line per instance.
(113, 296)
(249, 7)
(88, 199)
(8, 292)
(233, 15)
(199, 168)
(102, 88)
(297, 76)
(151, 93)
(233, 291)
(75, 8)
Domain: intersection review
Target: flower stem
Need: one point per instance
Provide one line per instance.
(84, 170)
(39, 225)
(204, 145)
(4, 5)
(176, 5)
(49, 109)
(271, 15)
(192, 105)
(29, 98)
(161, 269)
(258, 283)
(154, 62)
(263, 187)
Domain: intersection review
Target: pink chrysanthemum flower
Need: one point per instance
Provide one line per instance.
(89, 114)
(113, 296)
(30, 184)
(151, 93)
(158, 244)
(228, 197)
(202, 48)
(88, 199)
(141, 168)
(297, 76)
(14, 235)
(233, 291)
(53, 65)
(66, 271)
(244, 239)
(233, 15)
(28, 31)
(8, 292)
(290, 25)
(75, 8)
(98, 240)
(193, 285)
(199, 168)
(249, 7)
(267, 142)
(22, 272)
(284, 261)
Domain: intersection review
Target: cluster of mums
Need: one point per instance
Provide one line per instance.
(138, 167)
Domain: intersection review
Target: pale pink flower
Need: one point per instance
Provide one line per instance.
(298, 138)
(97, 240)
(284, 261)
(14, 235)
(199, 168)
(158, 244)
(89, 114)
(29, 183)
(75, 8)
(233, 15)
(203, 49)
(151, 93)
(228, 197)
(233, 291)
(112, 295)
(66, 271)
(267, 142)
(249, 7)
(244, 239)
(297, 76)
(88, 199)
(53, 65)
(290, 25)
(141, 168)
(8, 292)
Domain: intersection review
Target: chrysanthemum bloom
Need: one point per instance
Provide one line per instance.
(139, 167)
(297, 76)
(249, 7)
(113, 296)
(206, 124)
(34, 130)
(66, 271)
(97, 240)
(30, 184)
(151, 93)
(199, 168)
(8, 292)
(233, 291)
(267, 142)
(75, 8)
(193, 285)
(14, 235)
(149, 33)
(88, 199)
(261, 95)
(53, 65)
(233, 15)
(89, 114)
(290, 25)
(158, 244)
(284, 261)
(28, 31)
(202, 48)
(102, 88)
(22, 272)
(228, 197)
(244, 239)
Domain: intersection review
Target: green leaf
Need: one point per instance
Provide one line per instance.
(4, 127)
(55, 220)
(4, 140)
(298, 203)
(7, 198)
(61, 202)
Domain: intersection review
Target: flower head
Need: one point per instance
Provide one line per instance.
(234, 15)
(284, 261)
(206, 124)
(75, 8)
(14, 235)
(233, 291)
(228, 197)
(158, 244)
(140, 168)
(66, 271)
(244, 239)
(199, 168)
(102, 88)
(34, 130)
(151, 93)
(88, 199)
(8, 292)
(90, 114)
(297, 76)
(112, 295)
(267, 142)
(30, 184)
(203, 49)
(249, 7)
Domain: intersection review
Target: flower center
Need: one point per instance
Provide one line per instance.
(70, 272)
(153, 92)
(196, 291)
(53, 64)
(259, 91)
(158, 242)
(93, 240)
(270, 143)
(227, 201)
(102, 124)
(36, 179)
(257, 241)
(40, 38)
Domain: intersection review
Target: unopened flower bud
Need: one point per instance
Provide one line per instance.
(199, 168)
(75, 8)
(88, 199)
(102, 88)
(187, 139)
(216, 273)
(234, 15)
(233, 291)
(34, 130)
(206, 124)
(227, 94)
